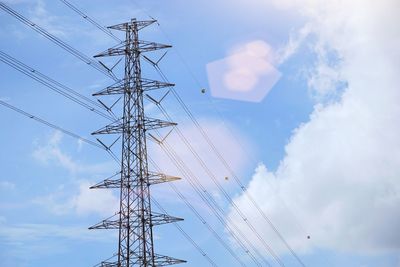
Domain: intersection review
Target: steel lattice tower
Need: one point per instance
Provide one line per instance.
(135, 219)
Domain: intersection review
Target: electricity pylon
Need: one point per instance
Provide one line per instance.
(135, 219)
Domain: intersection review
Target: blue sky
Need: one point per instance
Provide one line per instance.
(321, 149)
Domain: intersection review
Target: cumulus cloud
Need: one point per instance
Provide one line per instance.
(225, 138)
(41, 16)
(83, 202)
(74, 197)
(34, 240)
(341, 172)
(51, 153)
(246, 74)
(87, 201)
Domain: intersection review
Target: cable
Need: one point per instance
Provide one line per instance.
(14, 60)
(58, 41)
(197, 214)
(92, 21)
(89, 62)
(71, 134)
(53, 85)
(210, 202)
(55, 127)
(213, 206)
(81, 13)
(103, 70)
(224, 193)
(187, 236)
(262, 213)
(228, 167)
(243, 188)
(236, 178)
(5, 57)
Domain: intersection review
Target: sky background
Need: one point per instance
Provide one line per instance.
(300, 97)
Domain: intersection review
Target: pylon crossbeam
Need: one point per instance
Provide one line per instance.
(120, 87)
(108, 183)
(159, 261)
(159, 219)
(123, 49)
(138, 24)
(158, 178)
(154, 178)
(120, 126)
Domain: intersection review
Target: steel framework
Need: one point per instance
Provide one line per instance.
(135, 219)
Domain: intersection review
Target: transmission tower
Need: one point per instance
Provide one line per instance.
(135, 219)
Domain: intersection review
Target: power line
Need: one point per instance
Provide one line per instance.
(7, 57)
(233, 174)
(58, 41)
(204, 166)
(224, 193)
(78, 12)
(267, 245)
(95, 24)
(101, 68)
(76, 136)
(92, 21)
(54, 85)
(186, 65)
(236, 178)
(209, 200)
(53, 126)
(108, 73)
(262, 213)
(244, 189)
(201, 218)
(63, 45)
(187, 236)
(58, 128)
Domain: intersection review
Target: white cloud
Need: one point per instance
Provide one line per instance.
(87, 201)
(296, 39)
(225, 139)
(83, 202)
(24, 232)
(25, 241)
(340, 174)
(40, 16)
(75, 197)
(51, 153)
(324, 81)
(6, 185)
(80, 144)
